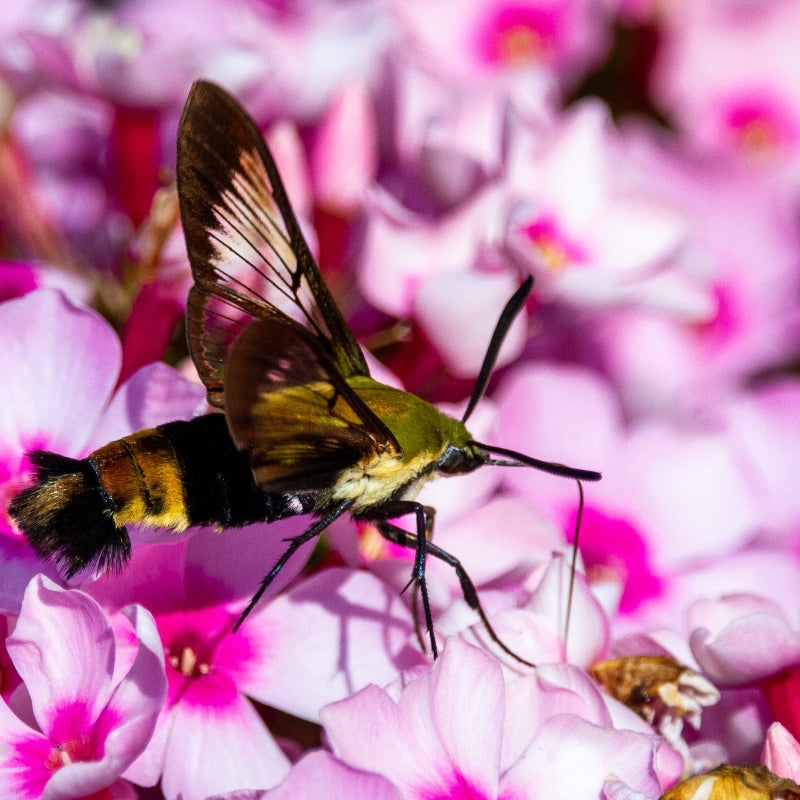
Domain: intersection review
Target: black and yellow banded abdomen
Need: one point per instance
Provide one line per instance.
(172, 476)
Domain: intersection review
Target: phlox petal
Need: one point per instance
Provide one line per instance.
(562, 414)
(196, 765)
(153, 395)
(528, 541)
(573, 758)
(749, 647)
(691, 492)
(18, 566)
(588, 636)
(442, 304)
(401, 248)
(138, 699)
(320, 774)
(781, 753)
(370, 731)
(471, 731)
(431, 741)
(64, 360)
(23, 755)
(527, 634)
(633, 236)
(533, 699)
(49, 646)
(575, 167)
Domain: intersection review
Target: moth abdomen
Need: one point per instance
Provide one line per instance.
(173, 476)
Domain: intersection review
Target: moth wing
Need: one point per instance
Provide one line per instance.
(288, 404)
(248, 255)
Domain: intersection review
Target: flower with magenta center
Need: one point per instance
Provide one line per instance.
(89, 698)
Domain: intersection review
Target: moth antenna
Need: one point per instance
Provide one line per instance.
(509, 312)
(573, 564)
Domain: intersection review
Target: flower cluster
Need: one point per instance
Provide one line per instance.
(641, 161)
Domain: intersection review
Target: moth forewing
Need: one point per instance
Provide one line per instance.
(247, 251)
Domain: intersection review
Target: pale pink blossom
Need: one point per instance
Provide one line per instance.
(87, 705)
(673, 498)
(669, 359)
(589, 239)
(466, 731)
(66, 359)
(563, 36)
(747, 107)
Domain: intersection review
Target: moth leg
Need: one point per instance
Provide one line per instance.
(295, 542)
(424, 518)
(405, 539)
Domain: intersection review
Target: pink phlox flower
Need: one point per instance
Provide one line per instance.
(484, 39)
(744, 265)
(449, 135)
(743, 106)
(589, 239)
(84, 715)
(298, 650)
(459, 731)
(674, 498)
(553, 33)
(66, 361)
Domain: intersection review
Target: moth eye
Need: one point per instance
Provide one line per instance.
(454, 461)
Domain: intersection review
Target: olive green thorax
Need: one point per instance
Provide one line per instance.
(419, 427)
